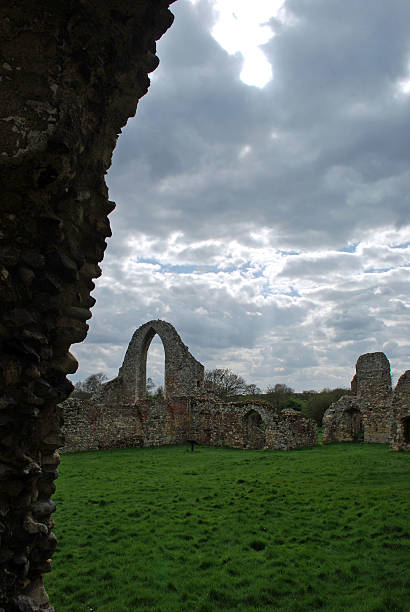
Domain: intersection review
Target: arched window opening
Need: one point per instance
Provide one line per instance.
(406, 429)
(155, 371)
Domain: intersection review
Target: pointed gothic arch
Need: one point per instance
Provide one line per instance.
(183, 373)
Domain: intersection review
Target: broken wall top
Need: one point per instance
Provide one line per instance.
(401, 395)
(372, 371)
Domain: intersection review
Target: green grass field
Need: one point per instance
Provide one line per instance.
(164, 529)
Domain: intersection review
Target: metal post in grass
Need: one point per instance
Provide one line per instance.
(192, 443)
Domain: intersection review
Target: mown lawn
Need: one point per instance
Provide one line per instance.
(164, 529)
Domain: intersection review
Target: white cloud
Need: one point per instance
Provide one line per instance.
(269, 225)
(241, 27)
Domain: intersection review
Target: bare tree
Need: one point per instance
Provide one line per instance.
(89, 385)
(149, 386)
(252, 389)
(224, 383)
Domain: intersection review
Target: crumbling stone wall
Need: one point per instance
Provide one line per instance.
(374, 413)
(343, 422)
(71, 74)
(156, 422)
(184, 375)
(374, 392)
(249, 426)
(150, 422)
(401, 414)
(119, 415)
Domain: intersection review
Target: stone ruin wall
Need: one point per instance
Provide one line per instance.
(400, 436)
(119, 415)
(184, 375)
(72, 73)
(250, 426)
(153, 422)
(374, 394)
(374, 413)
(91, 426)
(337, 423)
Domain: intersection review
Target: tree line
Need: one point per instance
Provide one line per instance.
(228, 386)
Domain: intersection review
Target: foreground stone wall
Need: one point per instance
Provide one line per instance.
(373, 413)
(71, 74)
(155, 422)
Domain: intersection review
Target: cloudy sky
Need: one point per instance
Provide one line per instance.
(263, 194)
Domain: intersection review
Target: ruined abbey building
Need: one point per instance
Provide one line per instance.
(374, 412)
(71, 75)
(120, 415)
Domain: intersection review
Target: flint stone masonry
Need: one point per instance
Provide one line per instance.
(373, 413)
(184, 375)
(71, 75)
(374, 392)
(342, 421)
(155, 422)
(119, 416)
(401, 414)
(250, 426)
(150, 422)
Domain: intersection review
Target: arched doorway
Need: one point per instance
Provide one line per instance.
(355, 425)
(254, 430)
(406, 429)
